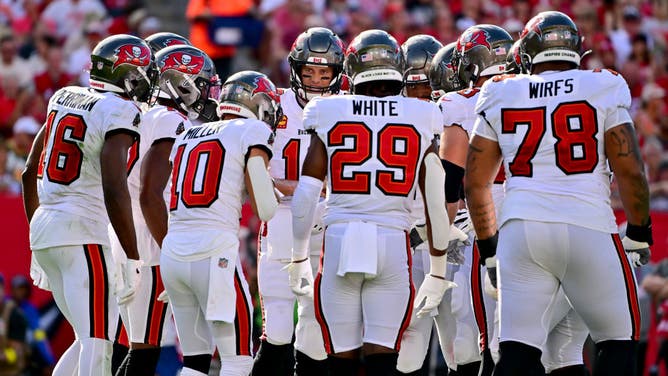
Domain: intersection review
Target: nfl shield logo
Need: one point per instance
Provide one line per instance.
(222, 263)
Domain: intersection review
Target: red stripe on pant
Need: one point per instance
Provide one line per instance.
(242, 320)
(631, 293)
(98, 291)
(122, 334)
(406, 321)
(263, 233)
(317, 303)
(157, 310)
(478, 300)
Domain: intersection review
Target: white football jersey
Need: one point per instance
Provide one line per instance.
(458, 108)
(375, 148)
(208, 186)
(292, 141)
(550, 128)
(72, 209)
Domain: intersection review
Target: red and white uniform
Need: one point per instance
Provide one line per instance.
(144, 315)
(375, 147)
(290, 146)
(556, 225)
(473, 311)
(200, 264)
(68, 232)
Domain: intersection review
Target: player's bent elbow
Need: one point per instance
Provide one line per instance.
(263, 196)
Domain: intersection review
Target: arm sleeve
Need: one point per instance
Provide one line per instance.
(487, 114)
(257, 134)
(618, 111)
(125, 117)
(170, 126)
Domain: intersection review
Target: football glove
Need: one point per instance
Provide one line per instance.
(300, 277)
(458, 242)
(490, 264)
(318, 225)
(638, 252)
(463, 221)
(430, 293)
(416, 235)
(130, 275)
(490, 289)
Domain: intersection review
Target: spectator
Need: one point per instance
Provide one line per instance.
(622, 37)
(25, 130)
(71, 15)
(8, 182)
(13, 329)
(79, 60)
(41, 359)
(652, 111)
(652, 154)
(659, 189)
(11, 64)
(49, 81)
(41, 43)
(13, 102)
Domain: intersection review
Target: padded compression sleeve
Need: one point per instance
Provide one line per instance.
(304, 201)
(454, 177)
(263, 188)
(435, 202)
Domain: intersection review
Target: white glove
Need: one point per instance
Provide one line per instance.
(163, 297)
(318, 225)
(638, 251)
(130, 274)
(38, 274)
(490, 289)
(463, 221)
(300, 277)
(456, 246)
(431, 292)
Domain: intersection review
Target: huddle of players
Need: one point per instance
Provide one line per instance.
(174, 219)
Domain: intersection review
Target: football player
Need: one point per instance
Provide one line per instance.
(149, 171)
(75, 182)
(316, 65)
(480, 54)
(556, 134)
(418, 51)
(373, 147)
(214, 166)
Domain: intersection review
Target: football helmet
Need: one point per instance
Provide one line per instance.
(481, 51)
(123, 64)
(188, 76)
(251, 95)
(550, 36)
(442, 75)
(374, 55)
(158, 41)
(514, 59)
(316, 46)
(419, 50)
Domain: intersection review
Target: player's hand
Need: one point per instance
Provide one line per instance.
(490, 289)
(130, 274)
(318, 224)
(300, 277)
(463, 221)
(430, 293)
(163, 297)
(639, 252)
(458, 242)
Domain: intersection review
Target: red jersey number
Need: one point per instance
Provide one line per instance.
(574, 125)
(206, 159)
(64, 163)
(400, 150)
(291, 157)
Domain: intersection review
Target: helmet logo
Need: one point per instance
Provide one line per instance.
(173, 42)
(533, 25)
(473, 38)
(132, 54)
(182, 62)
(262, 85)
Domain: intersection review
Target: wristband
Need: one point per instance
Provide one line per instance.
(487, 247)
(642, 233)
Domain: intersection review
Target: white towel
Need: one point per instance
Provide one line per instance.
(359, 250)
(222, 298)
